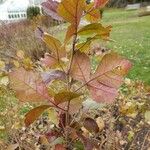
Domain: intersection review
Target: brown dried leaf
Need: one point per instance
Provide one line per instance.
(91, 125)
(33, 114)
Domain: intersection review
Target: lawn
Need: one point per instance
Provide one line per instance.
(132, 39)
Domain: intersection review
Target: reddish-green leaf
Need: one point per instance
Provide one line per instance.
(70, 32)
(65, 97)
(104, 83)
(50, 7)
(74, 102)
(80, 69)
(33, 114)
(91, 125)
(57, 51)
(108, 77)
(48, 60)
(54, 45)
(100, 3)
(28, 85)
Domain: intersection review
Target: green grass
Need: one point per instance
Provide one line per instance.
(132, 39)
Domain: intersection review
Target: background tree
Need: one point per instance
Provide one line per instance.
(33, 12)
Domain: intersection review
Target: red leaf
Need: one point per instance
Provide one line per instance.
(50, 8)
(104, 83)
(70, 32)
(80, 69)
(102, 93)
(53, 75)
(48, 60)
(28, 85)
(108, 77)
(100, 3)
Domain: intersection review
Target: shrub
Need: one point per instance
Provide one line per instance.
(65, 78)
(20, 36)
(33, 12)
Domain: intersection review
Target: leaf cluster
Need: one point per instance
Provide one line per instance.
(65, 78)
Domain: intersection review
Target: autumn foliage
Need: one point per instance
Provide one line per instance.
(65, 78)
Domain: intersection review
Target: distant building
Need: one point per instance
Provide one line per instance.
(11, 10)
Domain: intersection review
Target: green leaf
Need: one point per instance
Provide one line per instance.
(33, 114)
(95, 29)
(78, 145)
(54, 45)
(53, 116)
(84, 47)
(65, 96)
